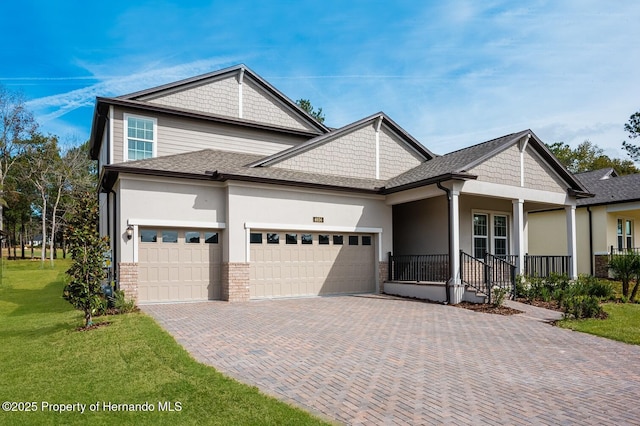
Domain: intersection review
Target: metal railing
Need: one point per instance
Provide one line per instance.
(486, 274)
(635, 250)
(420, 267)
(544, 266)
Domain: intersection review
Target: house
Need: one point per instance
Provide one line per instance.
(605, 223)
(221, 187)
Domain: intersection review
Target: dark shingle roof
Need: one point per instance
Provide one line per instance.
(608, 190)
(223, 165)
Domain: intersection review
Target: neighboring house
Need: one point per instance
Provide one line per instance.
(605, 223)
(220, 187)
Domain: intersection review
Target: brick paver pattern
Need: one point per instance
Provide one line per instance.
(376, 360)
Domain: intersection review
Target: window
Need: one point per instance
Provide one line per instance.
(211, 238)
(480, 235)
(148, 236)
(307, 239)
(273, 238)
(192, 237)
(353, 240)
(500, 235)
(169, 236)
(140, 137)
(625, 234)
(292, 238)
(323, 239)
(255, 238)
(337, 240)
(366, 240)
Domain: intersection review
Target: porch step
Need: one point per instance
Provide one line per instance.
(474, 296)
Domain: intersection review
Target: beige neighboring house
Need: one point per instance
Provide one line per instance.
(221, 187)
(605, 223)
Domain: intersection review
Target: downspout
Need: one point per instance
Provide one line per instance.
(451, 254)
(591, 267)
(112, 236)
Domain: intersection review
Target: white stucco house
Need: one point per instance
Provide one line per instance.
(221, 187)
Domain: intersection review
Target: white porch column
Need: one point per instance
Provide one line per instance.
(456, 289)
(571, 241)
(518, 234)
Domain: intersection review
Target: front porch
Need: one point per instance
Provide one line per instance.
(428, 276)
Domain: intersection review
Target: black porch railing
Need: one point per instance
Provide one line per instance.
(423, 267)
(544, 266)
(485, 274)
(614, 251)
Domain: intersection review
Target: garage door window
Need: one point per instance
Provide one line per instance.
(338, 240)
(256, 238)
(192, 237)
(366, 240)
(148, 236)
(292, 238)
(307, 239)
(323, 240)
(273, 238)
(211, 237)
(353, 240)
(169, 236)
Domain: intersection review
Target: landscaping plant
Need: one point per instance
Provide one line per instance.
(625, 267)
(87, 250)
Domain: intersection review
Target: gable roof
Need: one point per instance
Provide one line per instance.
(609, 188)
(136, 100)
(218, 165)
(409, 140)
(457, 164)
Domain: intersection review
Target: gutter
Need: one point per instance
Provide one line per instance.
(448, 192)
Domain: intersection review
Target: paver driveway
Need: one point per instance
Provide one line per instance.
(377, 360)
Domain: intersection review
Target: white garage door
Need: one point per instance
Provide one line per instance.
(287, 264)
(178, 265)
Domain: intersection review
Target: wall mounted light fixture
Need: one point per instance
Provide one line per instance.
(129, 232)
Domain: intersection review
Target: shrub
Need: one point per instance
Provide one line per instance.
(625, 266)
(499, 293)
(121, 304)
(582, 306)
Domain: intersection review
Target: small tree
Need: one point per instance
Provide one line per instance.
(625, 267)
(633, 128)
(87, 251)
(305, 104)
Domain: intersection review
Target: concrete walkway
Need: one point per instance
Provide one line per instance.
(377, 360)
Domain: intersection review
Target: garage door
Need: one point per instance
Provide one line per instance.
(287, 264)
(178, 265)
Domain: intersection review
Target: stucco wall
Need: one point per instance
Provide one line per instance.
(548, 235)
(168, 201)
(295, 209)
(421, 227)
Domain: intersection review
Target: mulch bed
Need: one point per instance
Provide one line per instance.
(488, 309)
(552, 305)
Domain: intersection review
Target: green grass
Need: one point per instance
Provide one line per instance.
(623, 323)
(132, 361)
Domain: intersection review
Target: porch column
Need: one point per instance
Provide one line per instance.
(456, 289)
(518, 234)
(571, 241)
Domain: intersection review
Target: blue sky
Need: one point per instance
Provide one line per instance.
(452, 73)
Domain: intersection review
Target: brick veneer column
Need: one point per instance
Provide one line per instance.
(383, 273)
(235, 282)
(601, 265)
(128, 279)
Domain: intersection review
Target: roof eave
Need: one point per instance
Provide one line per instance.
(430, 181)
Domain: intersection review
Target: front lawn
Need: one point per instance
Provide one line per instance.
(45, 361)
(622, 323)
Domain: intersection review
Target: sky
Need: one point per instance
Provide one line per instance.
(452, 73)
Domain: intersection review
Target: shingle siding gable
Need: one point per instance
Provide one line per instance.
(395, 156)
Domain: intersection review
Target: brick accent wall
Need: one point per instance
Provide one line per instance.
(128, 279)
(235, 282)
(383, 273)
(600, 264)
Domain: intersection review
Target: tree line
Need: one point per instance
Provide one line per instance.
(38, 178)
